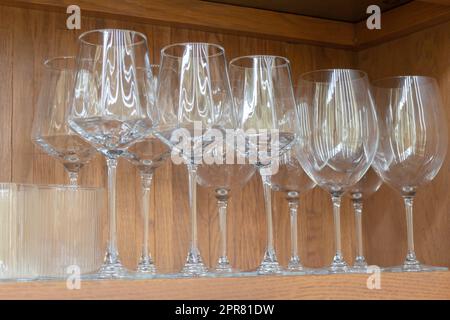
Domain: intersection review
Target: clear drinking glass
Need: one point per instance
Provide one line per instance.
(338, 135)
(195, 104)
(265, 102)
(50, 129)
(50, 231)
(223, 178)
(362, 190)
(111, 108)
(292, 181)
(147, 155)
(413, 144)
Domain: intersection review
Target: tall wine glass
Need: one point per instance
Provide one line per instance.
(263, 94)
(194, 99)
(223, 178)
(362, 190)
(147, 155)
(338, 135)
(413, 144)
(111, 108)
(50, 129)
(292, 181)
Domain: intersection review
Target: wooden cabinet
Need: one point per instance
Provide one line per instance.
(33, 30)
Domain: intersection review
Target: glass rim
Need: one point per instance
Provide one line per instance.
(47, 63)
(51, 186)
(286, 61)
(362, 74)
(89, 32)
(221, 50)
(427, 79)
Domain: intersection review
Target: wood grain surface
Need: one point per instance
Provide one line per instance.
(401, 21)
(212, 17)
(28, 36)
(392, 286)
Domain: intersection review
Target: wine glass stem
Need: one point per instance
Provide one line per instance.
(293, 207)
(222, 204)
(336, 199)
(112, 173)
(192, 168)
(411, 255)
(357, 208)
(146, 182)
(73, 178)
(268, 206)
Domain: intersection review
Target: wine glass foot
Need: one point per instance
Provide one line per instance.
(297, 269)
(194, 269)
(294, 265)
(416, 267)
(146, 266)
(223, 266)
(318, 271)
(359, 266)
(269, 267)
(194, 266)
(112, 271)
(338, 266)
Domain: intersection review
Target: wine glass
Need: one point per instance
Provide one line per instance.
(147, 155)
(362, 190)
(50, 129)
(224, 177)
(111, 108)
(265, 102)
(338, 135)
(413, 144)
(292, 180)
(195, 103)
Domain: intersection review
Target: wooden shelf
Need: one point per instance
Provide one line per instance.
(393, 286)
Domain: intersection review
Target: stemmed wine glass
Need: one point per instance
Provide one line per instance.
(223, 178)
(50, 129)
(413, 144)
(263, 94)
(195, 103)
(338, 135)
(293, 181)
(147, 155)
(362, 190)
(111, 108)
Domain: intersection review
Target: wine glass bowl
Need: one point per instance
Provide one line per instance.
(413, 144)
(338, 135)
(50, 129)
(111, 107)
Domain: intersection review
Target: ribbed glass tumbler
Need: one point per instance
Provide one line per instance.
(50, 231)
